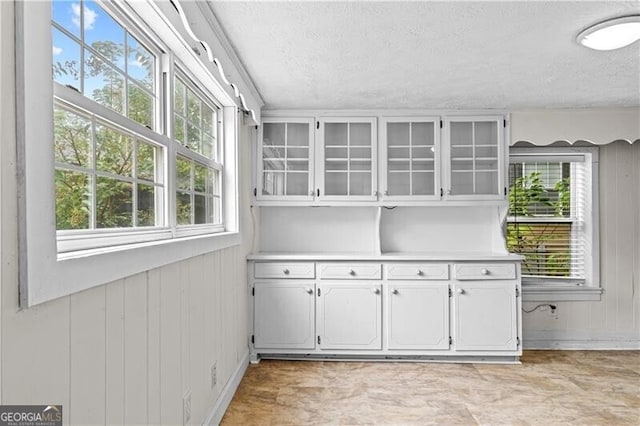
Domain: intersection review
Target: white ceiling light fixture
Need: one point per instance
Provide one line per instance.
(611, 34)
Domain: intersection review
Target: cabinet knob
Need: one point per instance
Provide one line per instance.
(286, 272)
(394, 291)
(376, 291)
(460, 291)
(352, 272)
(310, 290)
(420, 273)
(484, 272)
(386, 193)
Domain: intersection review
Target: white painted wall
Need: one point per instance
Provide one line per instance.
(613, 322)
(128, 351)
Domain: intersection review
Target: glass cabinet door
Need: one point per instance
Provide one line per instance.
(348, 153)
(475, 157)
(411, 149)
(286, 159)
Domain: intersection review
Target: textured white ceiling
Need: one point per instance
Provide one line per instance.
(441, 55)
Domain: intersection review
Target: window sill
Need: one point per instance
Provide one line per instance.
(84, 269)
(564, 293)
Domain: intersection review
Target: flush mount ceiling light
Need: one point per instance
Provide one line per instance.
(611, 34)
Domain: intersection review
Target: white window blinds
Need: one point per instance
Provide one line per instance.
(550, 215)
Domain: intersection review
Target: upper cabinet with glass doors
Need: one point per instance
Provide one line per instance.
(475, 158)
(285, 166)
(347, 155)
(411, 158)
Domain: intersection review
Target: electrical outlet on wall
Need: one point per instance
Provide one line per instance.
(186, 409)
(214, 374)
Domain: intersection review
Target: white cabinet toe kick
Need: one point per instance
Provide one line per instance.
(456, 311)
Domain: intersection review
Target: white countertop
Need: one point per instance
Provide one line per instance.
(385, 257)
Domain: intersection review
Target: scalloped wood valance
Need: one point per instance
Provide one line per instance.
(596, 126)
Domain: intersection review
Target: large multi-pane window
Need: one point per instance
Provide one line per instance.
(112, 156)
(551, 215)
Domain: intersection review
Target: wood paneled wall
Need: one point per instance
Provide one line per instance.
(613, 322)
(129, 351)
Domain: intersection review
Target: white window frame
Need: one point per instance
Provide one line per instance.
(540, 289)
(45, 272)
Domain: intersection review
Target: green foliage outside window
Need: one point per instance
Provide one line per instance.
(545, 244)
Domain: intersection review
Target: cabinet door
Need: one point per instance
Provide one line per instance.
(410, 158)
(284, 315)
(476, 158)
(418, 316)
(285, 169)
(350, 316)
(485, 316)
(348, 158)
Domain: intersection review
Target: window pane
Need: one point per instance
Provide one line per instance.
(193, 137)
(114, 151)
(207, 147)
(103, 33)
(179, 97)
(146, 164)
(66, 60)
(146, 205)
(67, 15)
(540, 189)
(183, 173)
(178, 129)
(73, 200)
(114, 200)
(208, 120)
(72, 138)
(200, 210)
(140, 63)
(193, 108)
(217, 210)
(200, 175)
(103, 83)
(546, 247)
(140, 105)
(183, 208)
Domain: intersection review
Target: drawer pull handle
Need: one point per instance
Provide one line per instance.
(310, 290)
(484, 272)
(352, 272)
(460, 291)
(286, 272)
(394, 291)
(420, 273)
(376, 291)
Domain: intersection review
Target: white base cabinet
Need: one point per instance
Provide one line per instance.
(350, 316)
(418, 316)
(485, 316)
(284, 315)
(429, 310)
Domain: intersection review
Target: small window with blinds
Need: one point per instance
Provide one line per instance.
(551, 215)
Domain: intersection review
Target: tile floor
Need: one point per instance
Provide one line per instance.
(549, 387)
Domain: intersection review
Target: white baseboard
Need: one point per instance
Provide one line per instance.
(223, 401)
(529, 344)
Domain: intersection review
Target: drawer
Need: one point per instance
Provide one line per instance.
(285, 270)
(484, 271)
(351, 271)
(417, 271)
